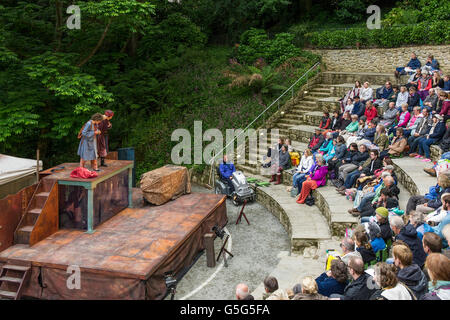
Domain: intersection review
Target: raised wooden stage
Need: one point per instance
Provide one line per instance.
(126, 257)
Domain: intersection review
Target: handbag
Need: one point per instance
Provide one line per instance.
(309, 200)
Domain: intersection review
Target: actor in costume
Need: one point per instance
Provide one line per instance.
(102, 138)
(87, 150)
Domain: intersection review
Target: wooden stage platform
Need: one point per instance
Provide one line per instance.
(126, 257)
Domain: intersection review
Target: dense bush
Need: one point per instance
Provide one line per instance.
(256, 44)
(388, 37)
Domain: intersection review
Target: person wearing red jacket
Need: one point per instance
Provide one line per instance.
(371, 112)
(325, 122)
(424, 84)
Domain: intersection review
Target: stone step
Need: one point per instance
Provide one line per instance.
(330, 104)
(410, 173)
(341, 89)
(333, 77)
(301, 133)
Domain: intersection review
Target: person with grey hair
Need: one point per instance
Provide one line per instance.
(373, 230)
(408, 234)
(417, 219)
(242, 292)
(431, 100)
(349, 250)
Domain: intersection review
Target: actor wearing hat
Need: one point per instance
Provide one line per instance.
(102, 139)
(435, 134)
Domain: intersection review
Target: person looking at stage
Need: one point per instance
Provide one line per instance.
(226, 172)
(87, 149)
(102, 139)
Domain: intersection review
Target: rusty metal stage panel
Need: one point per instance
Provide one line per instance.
(126, 257)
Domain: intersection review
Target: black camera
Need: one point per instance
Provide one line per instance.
(219, 232)
(170, 280)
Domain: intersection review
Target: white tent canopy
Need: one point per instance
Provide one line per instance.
(12, 168)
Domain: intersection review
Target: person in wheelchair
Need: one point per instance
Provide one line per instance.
(226, 172)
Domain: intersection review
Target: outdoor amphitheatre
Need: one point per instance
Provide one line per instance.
(119, 179)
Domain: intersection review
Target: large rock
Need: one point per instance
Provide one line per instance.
(164, 184)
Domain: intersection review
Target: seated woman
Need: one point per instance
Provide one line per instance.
(436, 80)
(403, 119)
(351, 128)
(325, 122)
(389, 116)
(356, 159)
(371, 112)
(305, 166)
(340, 151)
(417, 219)
(315, 180)
(381, 139)
(366, 93)
(362, 127)
(397, 146)
(349, 106)
(334, 280)
(327, 145)
(374, 232)
(289, 145)
(283, 163)
(390, 288)
(438, 267)
(424, 85)
(364, 247)
(431, 200)
(355, 91)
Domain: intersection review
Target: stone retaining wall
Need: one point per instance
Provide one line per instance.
(383, 60)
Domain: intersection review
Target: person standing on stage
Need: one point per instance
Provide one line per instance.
(87, 149)
(102, 138)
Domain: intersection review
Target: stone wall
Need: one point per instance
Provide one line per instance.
(383, 60)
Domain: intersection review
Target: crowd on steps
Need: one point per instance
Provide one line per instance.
(394, 253)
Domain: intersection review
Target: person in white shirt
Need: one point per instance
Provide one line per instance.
(305, 165)
(366, 93)
(349, 107)
(402, 97)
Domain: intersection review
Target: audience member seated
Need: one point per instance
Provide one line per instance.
(413, 99)
(371, 112)
(409, 273)
(445, 220)
(309, 290)
(366, 93)
(327, 145)
(348, 250)
(336, 121)
(417, 219)
(316, 140)
(431, 243)
(446, 87)
(444, 104)
(362, 127)
(402, 119)
(389, 116)
(408, 234)
(352, 162)
(431, 65)
(438, 267)
(337, 152)
(334, 280)
(385, 200)
(437, 81)
(358, 107)
(423, 127)
(284, 163)
(349, 106)
(412, 65)
(431, 100)
(345, 121)
(334, 166)
(373, 230)
(381, 140)
(398, 144)
(423, 85)
(325, 122)
(437, 131)
(304, 168)
(355, 91)
(413, 122)
(390, 288)
(381, 216)
(383, 95)
(414, 79)
(316, 179)
(446, 235)
(351, 130)
(402, 97)
(358, 288)
(272, 292)
(368, 168)
(242, 292)
(364, 247)
(432, 200)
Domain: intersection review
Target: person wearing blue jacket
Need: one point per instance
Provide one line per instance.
(435, 134)
(327, 145)
(358, 107)
(414, 64)
(334, 280)
(226, 170)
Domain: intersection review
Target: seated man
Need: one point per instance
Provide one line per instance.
(413, 64)
(358, 107)
(316, 140)
(413, 99)
(398, 144)
(431, 100)
(389, 116)
(413, 80)
(226, 172)
(383, 94)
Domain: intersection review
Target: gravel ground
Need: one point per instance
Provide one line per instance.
(257, 250)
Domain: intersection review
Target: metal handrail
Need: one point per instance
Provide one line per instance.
(291, 88)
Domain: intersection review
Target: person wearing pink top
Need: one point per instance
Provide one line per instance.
(445, 109)
(403, 119)
(317, 179)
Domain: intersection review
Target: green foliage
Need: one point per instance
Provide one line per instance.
(388, 37)
(349, 11)
(411, 12)
(256, 44)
